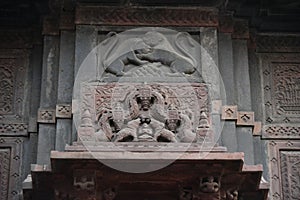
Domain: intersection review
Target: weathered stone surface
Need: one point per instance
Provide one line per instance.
(126, 110)
(143, 16)
(243, 91)
(47, 132)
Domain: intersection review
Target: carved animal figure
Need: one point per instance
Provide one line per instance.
(185, 130)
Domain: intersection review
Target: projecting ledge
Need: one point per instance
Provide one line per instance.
(148, 155)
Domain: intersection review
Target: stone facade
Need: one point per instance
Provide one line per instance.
(236, 90)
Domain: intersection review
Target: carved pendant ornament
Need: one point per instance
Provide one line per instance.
(149, 90)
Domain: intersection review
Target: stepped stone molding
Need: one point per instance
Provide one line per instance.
(142, 16)
(242, 118)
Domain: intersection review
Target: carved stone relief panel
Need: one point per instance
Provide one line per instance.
(146, 87)
(290, 174)
(284, 164)
(145, 112)
(13, 69)
(10, 168)
(281, 87)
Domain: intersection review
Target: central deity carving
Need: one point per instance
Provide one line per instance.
(144, 113)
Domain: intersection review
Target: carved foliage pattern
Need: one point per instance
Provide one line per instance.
(4, 172)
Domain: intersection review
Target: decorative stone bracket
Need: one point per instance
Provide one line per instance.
(46, 115)
(64, 111)
(242, 118)
(49, 115)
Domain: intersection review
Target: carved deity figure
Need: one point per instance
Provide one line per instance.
(147, 113)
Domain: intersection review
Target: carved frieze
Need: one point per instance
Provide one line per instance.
(102, 15)
(13, 129)
(281, 75)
